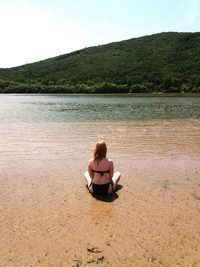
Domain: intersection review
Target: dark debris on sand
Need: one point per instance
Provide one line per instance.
(95, 256)
(93, 250)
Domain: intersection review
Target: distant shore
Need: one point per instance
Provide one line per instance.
(158, 94)
(167, 62)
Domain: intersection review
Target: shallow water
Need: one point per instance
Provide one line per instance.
(130, 139)
(50, 127)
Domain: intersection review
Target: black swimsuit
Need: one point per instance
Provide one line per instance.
(100, 189)
(101, 172)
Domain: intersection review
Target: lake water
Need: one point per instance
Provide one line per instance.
(56, 127)
(88, 108)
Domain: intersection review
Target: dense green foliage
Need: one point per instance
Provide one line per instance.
(165, 62)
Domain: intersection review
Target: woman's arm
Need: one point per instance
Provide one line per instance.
(111, 171)
(91, 173)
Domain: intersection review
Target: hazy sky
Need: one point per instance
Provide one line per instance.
(32, 30)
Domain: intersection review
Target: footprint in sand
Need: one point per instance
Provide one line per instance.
(195, 196)
(166, 184)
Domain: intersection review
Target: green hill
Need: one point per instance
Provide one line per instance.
(165, 62)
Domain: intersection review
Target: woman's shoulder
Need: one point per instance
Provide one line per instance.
(110, 161)
(90, 161)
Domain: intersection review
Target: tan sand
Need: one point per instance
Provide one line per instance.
(48, 218)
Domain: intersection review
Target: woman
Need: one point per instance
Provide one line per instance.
(100, 177)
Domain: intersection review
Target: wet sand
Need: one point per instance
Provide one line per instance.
(48, 218)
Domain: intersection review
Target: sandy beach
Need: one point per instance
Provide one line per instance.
(48, 218)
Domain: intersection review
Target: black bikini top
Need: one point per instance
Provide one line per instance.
(101, 172)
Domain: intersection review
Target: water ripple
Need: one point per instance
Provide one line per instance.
(64, 108)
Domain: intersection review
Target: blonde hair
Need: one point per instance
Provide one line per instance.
(100, 151)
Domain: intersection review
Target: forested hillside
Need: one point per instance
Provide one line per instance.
(165, 62)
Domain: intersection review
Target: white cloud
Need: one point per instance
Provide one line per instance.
(29, 33)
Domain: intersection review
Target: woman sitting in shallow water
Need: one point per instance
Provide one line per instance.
(100, 177)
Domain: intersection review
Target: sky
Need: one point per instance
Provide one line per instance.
(33, 30)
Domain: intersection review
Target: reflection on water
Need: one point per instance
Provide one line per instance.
(82, 108)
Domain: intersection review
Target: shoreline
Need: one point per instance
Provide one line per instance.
(158, 94)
